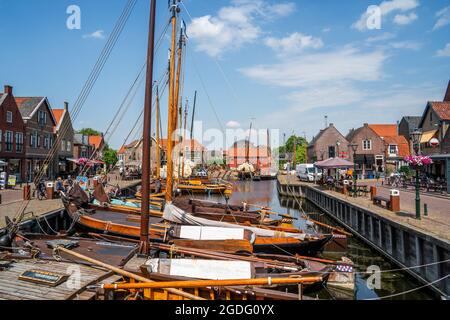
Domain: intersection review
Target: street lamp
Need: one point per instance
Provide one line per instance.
(354, 148)
(338, 143)
(416, 137)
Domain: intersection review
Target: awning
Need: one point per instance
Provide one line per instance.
(427, 136)
(365, 158)
(334, 163)
(3, 163)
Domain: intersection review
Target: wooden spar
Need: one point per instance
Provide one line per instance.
(192, 127)
(184, 137)
(235, 154)
(177, 119)
(158, 151)
(247, 151)
(172, 109)
(212, 283)
(123, 272)
(146, 170)
(269, 151)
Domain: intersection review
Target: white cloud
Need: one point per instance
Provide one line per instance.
(387, 7)
(443, 18)
(404, 19)
(326, 30)
(235, 25)
(411, 45)
(342, 65)
(444, 52)
(294, 43)
(383, 37)
(233, 124)
(99, 34)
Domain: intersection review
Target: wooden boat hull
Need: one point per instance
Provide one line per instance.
(290, 246)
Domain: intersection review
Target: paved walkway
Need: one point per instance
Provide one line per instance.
(436, 223)
(33, 208)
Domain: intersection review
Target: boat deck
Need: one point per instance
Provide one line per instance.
(11, 288)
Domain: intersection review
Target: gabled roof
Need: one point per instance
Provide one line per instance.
(186, 143)
(447, 94)
(58, 114)
(442, 109)
(96, 141)
(322, 132)
(413, 121)
(28, 106)
(384, 130)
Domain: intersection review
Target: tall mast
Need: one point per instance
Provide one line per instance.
(192, 128)
(178, 103)
(184, 137)
(172, 107)
(146, 167)
(294, 158)
(158, 151)
(269, 150)
(247, 154)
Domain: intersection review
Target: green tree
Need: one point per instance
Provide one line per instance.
(300, 152)
(89, 132)
(110, 156)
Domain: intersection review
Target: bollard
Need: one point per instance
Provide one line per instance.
(425, 209)
(395, 201)
(373, 192)
(27, 192)
(345, 187)
(95, 182)
(50, 188)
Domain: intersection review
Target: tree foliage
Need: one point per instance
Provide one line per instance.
(110, 156)
(89, 132)
(300, 152)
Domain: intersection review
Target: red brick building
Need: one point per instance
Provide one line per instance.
(12, 135)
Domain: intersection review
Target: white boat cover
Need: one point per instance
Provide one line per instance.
(202, 269)
(174, 214)
(211, 233)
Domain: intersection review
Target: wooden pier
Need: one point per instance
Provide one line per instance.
(404, 240)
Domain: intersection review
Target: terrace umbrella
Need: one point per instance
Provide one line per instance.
(334, 163)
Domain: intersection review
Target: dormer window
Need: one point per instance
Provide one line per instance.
(9, 117)
(393, 149)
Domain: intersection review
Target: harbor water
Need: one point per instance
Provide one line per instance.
(394, 283)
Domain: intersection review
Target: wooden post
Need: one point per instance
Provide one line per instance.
(158, 151)
(373, 192)
(26, 192)
(395, 201)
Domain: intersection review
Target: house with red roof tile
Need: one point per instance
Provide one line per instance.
(65, 138)
(380, 149)
(39, 138)
(435, 124)
(12, 136)
(98, 144)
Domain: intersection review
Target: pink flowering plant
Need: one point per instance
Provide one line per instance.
(83, 161)
(418, 161)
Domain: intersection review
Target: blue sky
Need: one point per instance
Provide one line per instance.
(285, 63)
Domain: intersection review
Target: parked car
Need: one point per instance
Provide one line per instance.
(308, 172)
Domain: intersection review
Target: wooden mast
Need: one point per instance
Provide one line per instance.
(192, 128)
(178, 104)
(247, 151)
(184, 137)
(158, 143)
(172, 108)
(146, 167)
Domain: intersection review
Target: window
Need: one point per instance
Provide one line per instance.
(63, 145)
(393, 149)
(42, 117)
(9, 117)
(46, 141)
(9, 141)
(331, 151)
(69, 146)
(38, 139)
(19, 141)
(367, 145)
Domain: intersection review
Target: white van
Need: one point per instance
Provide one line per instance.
(307, 172)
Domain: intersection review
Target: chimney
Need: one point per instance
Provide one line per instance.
(66, 106)
(447, 95)
(366, 124)
(8, 89)
(331, 124)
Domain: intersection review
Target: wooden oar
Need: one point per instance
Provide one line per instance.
(210, 283)
(125, 273)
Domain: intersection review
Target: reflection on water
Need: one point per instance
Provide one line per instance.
(264, 193)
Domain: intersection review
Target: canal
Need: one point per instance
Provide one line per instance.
(395, 284)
